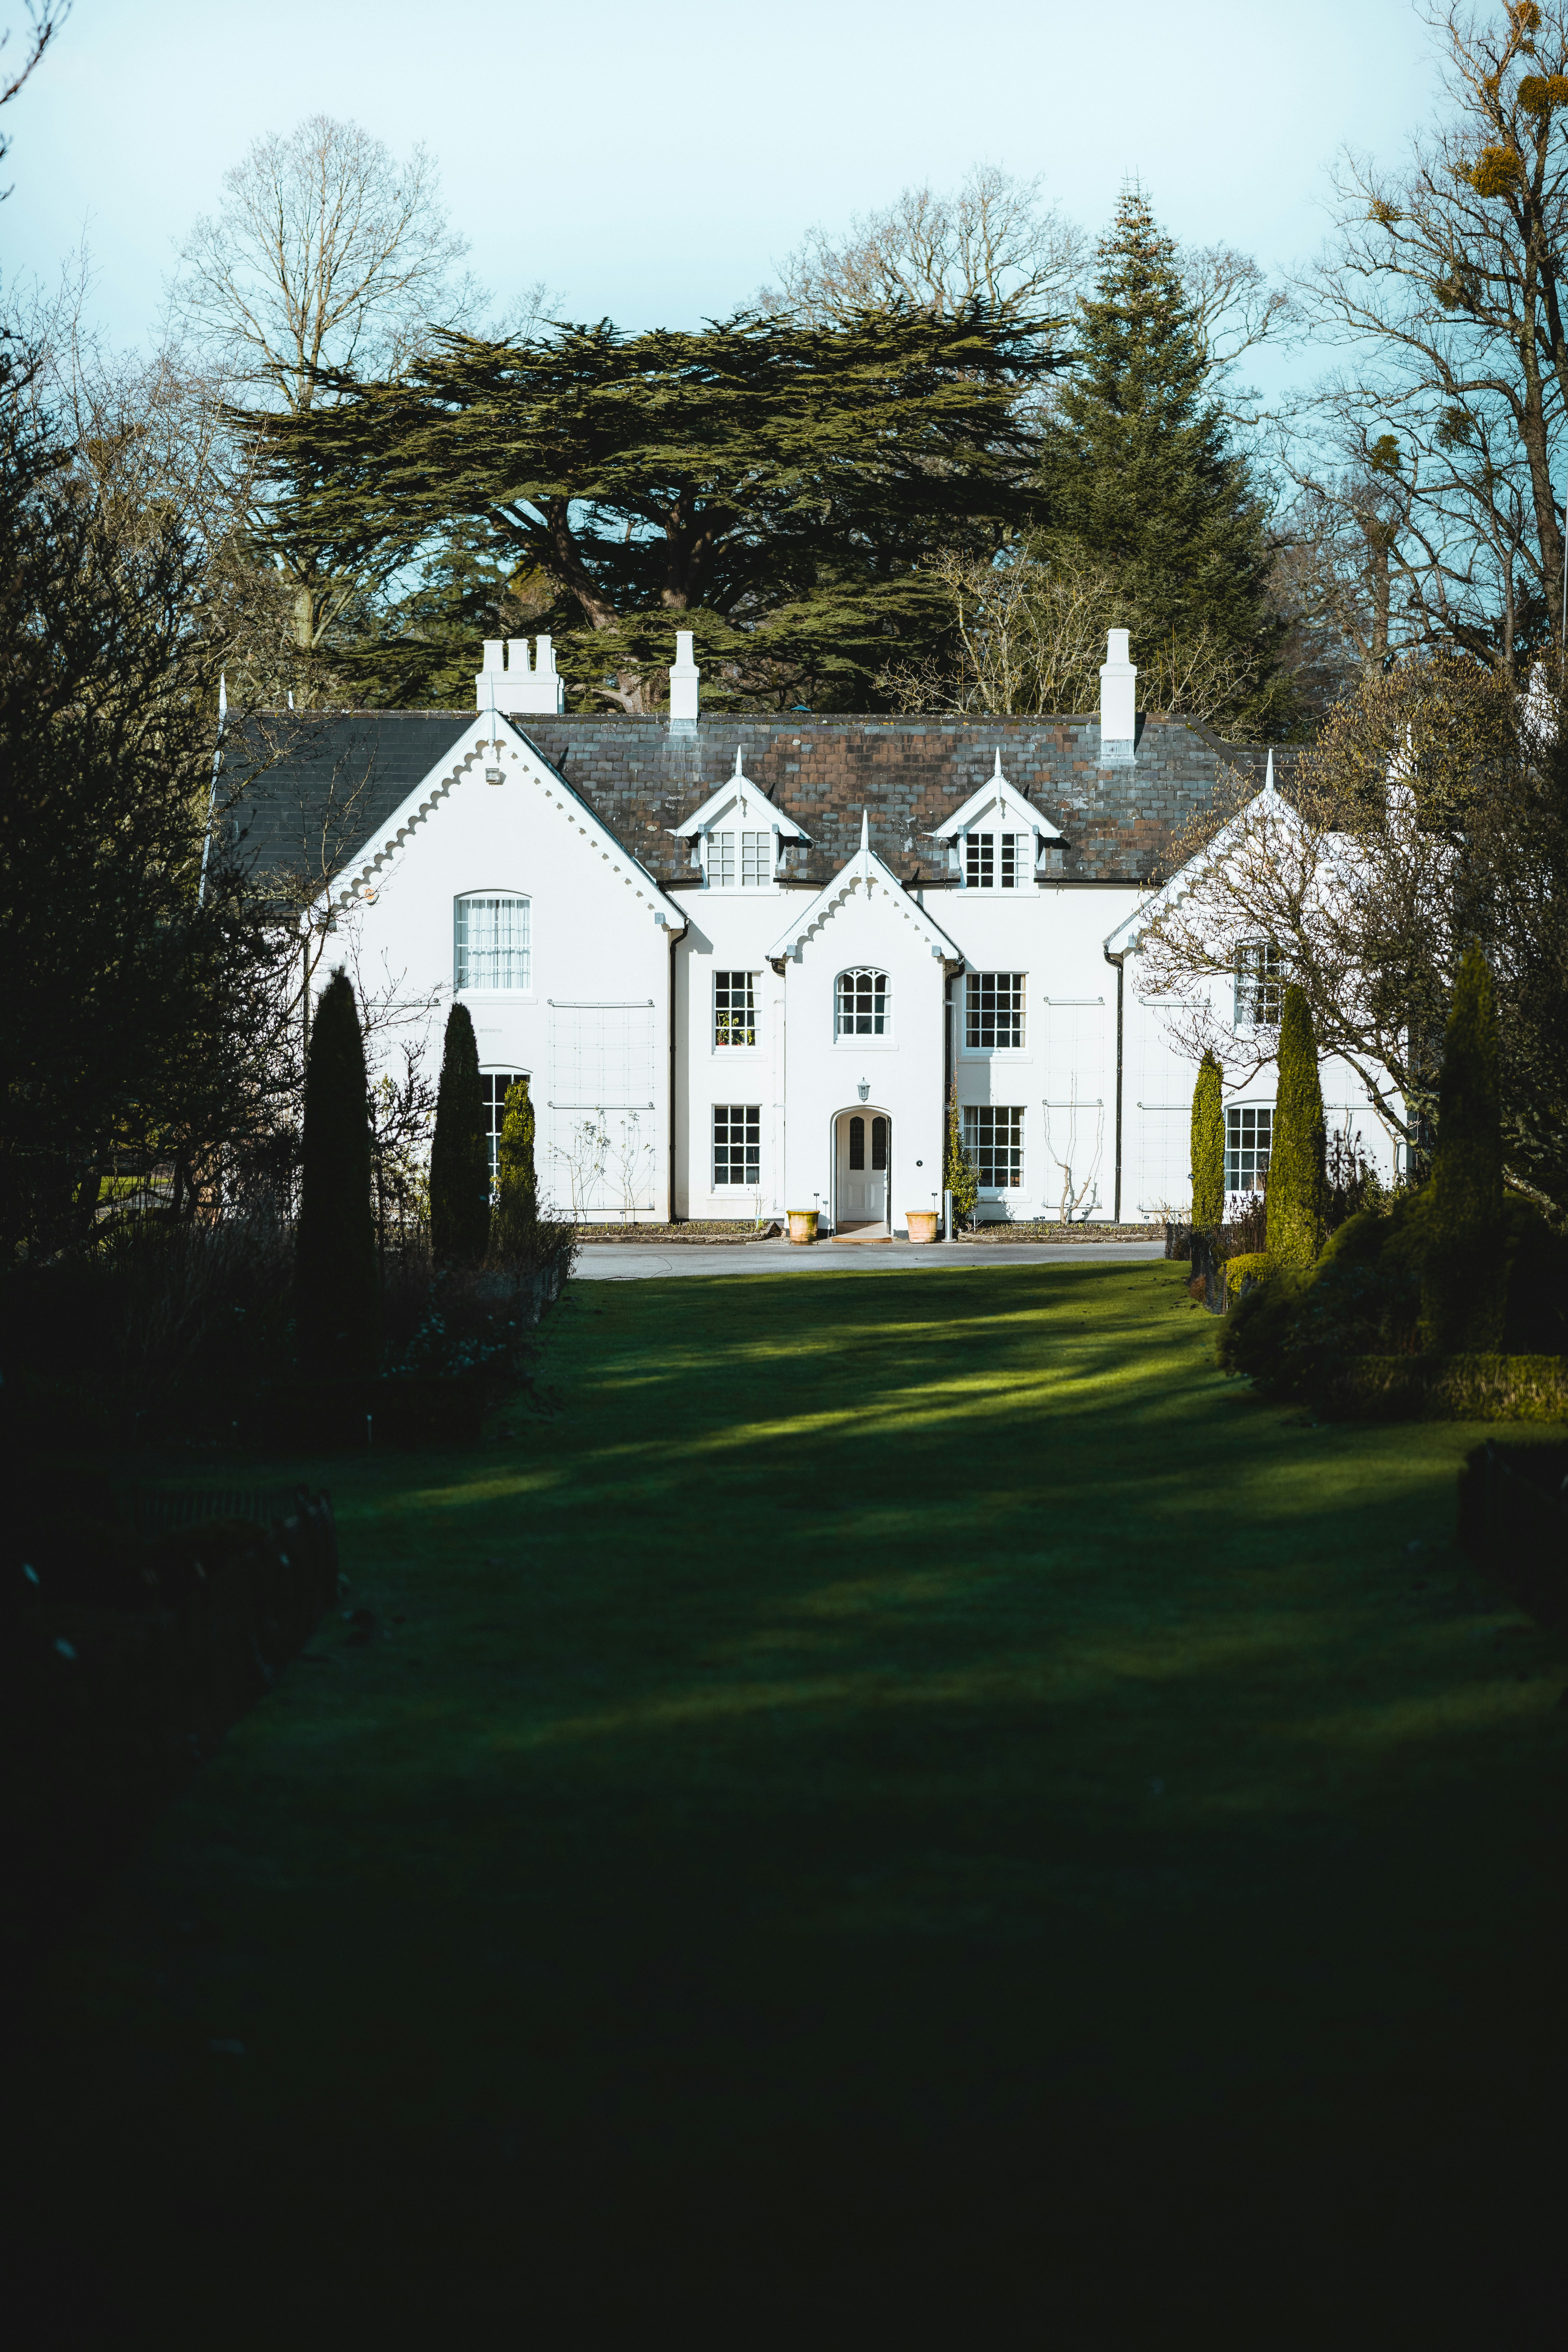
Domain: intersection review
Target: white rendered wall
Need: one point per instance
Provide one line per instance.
(601, 963)
(729, 930)
(1159, 1082)
(902, 1071)
(1064, 1076)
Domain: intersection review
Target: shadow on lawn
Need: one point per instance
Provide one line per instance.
(899, 1790)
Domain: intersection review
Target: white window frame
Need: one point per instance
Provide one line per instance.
(978, 1116)
(1237, 1129)
(462, 984)
(975, 1013)
(864, 1037)
(740, 857)
(724, 982)
(750, 1116)
(1259, 984)
(495, 1093)
(987, 857)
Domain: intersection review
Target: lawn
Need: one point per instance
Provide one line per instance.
(886, 1796)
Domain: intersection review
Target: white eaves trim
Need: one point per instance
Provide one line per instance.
(1125, 938)
(492, 740)
(738, 795)
(1005, 800)
(864, 873)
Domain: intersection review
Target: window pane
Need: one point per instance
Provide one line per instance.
(994, 1010)
(993, 1140)
(1009, 861)
(857, 1143)
(756, 861)
(1260, 979)
(864, 1002)
(980, 868)
(492, 943)
(722, 861)
(737, 1144)
(734, 1011)
(878, 1142)
(494, 1085)
(1248, 1139)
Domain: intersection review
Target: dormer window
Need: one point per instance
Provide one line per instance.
(740, 860)
(990, 860)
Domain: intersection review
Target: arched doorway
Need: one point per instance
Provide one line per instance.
(862, 1170)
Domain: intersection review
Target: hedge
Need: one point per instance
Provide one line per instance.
(1452, 1388)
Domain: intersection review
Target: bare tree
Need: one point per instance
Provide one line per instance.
(994, 239)
(327, 259)
(43, 24)
(1030, 634)
(1448, 278)
(1362, 888)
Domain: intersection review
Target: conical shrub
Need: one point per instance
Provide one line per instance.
(960, 1173)
(460, 1158)
(1208, 1145)
(1462, 1284)
(514, 1222)
(1296, 1157)
(337, 1283)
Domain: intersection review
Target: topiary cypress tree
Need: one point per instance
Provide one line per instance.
(514, 1222)
(961, 1175)
(337, 1283)
(1462, 1286)
(1295, 1158)
(1208, 1145)
(459, 1160)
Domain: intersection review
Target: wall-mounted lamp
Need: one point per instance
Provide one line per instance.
(864, 1090)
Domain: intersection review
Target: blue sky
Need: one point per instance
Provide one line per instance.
(652, 163)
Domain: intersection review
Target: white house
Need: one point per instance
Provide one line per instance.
(741, 960)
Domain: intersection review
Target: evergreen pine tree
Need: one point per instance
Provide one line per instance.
(514, 1222)
(1208, 1145)
(1462, 1286)
(337, 1283)
(1296, 1160)
(1136, 472)
(459, 1161)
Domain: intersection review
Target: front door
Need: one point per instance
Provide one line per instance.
(862, 1168)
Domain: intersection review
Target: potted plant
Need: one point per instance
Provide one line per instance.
(802, 1223)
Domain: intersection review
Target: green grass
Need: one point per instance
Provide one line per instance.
(917, 1782)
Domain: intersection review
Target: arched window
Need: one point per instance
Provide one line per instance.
(493, 948)
(865, 1003)
(857, 1142)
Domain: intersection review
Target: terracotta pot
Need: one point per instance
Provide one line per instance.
(803, 1224)
(922, 1223)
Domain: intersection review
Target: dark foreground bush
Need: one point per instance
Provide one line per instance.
(1513, 1522)
(123, 1661)
(181, 1333)
(1304, 1333)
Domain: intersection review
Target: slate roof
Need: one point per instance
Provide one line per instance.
(321, 783)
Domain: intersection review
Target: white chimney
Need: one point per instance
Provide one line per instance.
(1118, 698)
(683, 677)
(511, 685)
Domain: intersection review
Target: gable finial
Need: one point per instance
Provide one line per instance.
(865, 832)
(738, 770)
(996, 775)
(1268, 778)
